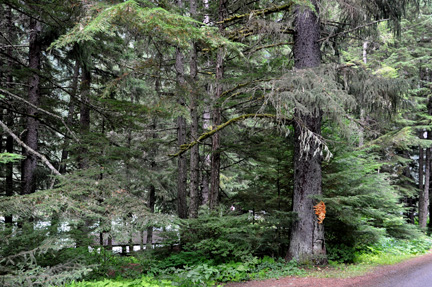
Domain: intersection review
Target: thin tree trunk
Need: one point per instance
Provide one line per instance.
(421, 178)
(307, 235)
(424, 194)
(151, 206)
(216, 117)
(83, 160)
(152, 189)
(182, 170)
(31, 138)
(362, 111)
(9, 117)
(71, 111)
(181, 139)
(194, 155)
(206, 160)
(421, 167)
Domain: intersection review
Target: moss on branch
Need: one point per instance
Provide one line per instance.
(186, 147)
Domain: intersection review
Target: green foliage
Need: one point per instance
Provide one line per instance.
(221, 235)
(144, 281)
(9, 157)
(145, 19)
(362, 205)
(181, 260)
(389, 250)
(252, 268)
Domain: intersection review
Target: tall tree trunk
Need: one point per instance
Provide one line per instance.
(151, 200)
(83, 160)
(362, 111)
(71, 111)
(151, 206)
(421, 166)
(31, 138)
(9, 116)
(216, 117)
(181, 140)
(424, 194)
(194, 154)
(206, 160)
(421, 163)
(307, 235)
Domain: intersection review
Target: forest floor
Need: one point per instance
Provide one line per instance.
(414, 272)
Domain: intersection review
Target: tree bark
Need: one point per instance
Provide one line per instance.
(205, 159)
(181, 139)
(71, 111)
(421, 167)
(31, 138)
(421, 162)
(151, 206)
(216, 118)
(362, 111)
(424, 198)
(9, 117)
(83, 160)
(194, 156)
(307, 235)
(424, 193)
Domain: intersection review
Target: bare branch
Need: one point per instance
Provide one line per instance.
(352, 30)
(41, 110)
(30, 150)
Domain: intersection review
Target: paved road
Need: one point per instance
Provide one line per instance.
(418, 274)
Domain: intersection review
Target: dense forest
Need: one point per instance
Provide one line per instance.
(177, 139)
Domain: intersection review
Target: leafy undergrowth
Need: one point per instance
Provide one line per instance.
(121, 282)
(192, 269)
(202, 274)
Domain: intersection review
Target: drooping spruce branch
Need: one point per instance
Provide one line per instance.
(186, 147)
(30, 150)
(260, 12)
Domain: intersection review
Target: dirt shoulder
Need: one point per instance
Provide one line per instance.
(401, 274)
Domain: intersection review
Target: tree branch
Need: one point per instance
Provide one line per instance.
(186, 147)
(270, 46)
(351, 30)
(42, 110)
(265, 11)
(30, 150)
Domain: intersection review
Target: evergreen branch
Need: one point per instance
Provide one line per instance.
(41, 110)
(352, 30)
(186, 147)
(29, 149)
(260, 12)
